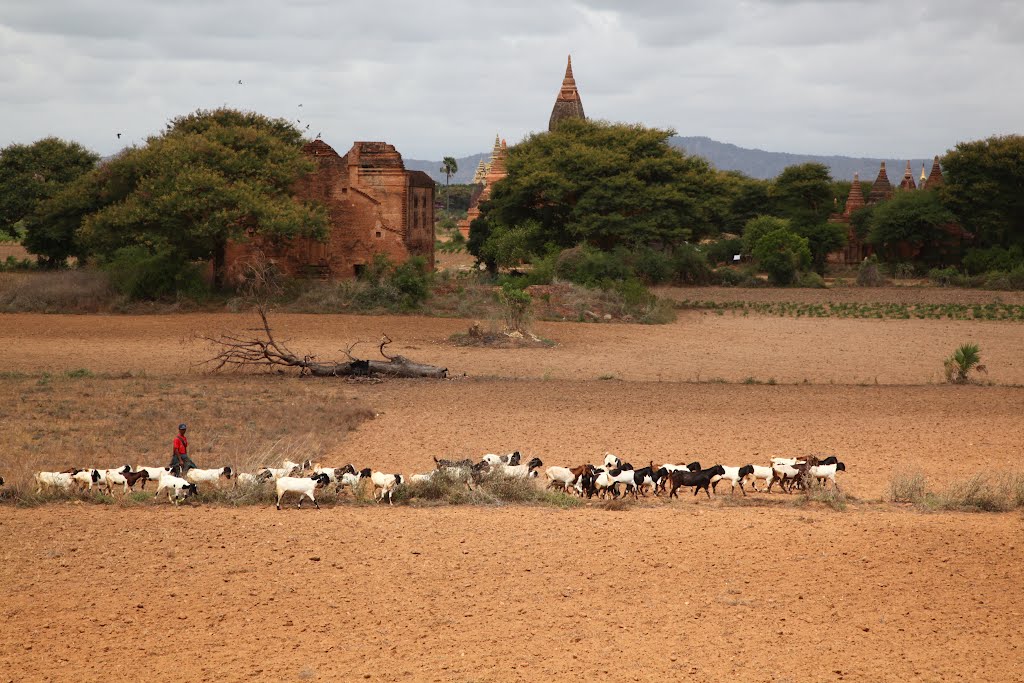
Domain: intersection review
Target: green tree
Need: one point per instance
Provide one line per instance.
(31, 174)
(823, 239)
(912, 226)
(803, 194)
(209, 178)
(744, 198)
(510, 246)
(758, 227)
(782, 253)
(602, 184)
(449, 167)
(984, 188)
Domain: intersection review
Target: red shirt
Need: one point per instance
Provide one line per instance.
(181, 444)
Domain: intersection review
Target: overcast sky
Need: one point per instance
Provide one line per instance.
(861, 78)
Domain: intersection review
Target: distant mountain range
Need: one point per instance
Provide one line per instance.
(756, 163)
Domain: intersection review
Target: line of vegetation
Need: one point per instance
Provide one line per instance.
(876, 310)
(992, 492)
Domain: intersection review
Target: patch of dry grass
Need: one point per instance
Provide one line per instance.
(987, 492)
(78, 420)
(60, 291)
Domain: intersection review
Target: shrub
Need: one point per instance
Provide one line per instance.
(958, 367)
(994, 492)
(515, 305)
(869, 273)
(722, 251)
(903, 271)
(947, 277)
(781, 253)
(815, 492)
(412, 280)
(653, 267)
(690, 266)
(591, 267)
(977, 261)
(13, 264)
(727, 277)
(908, 487)
(758, 227)
(811, 280)
(141, 274)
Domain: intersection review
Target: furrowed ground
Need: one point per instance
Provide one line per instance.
(776, 591)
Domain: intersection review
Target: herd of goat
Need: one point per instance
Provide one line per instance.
(612, 478)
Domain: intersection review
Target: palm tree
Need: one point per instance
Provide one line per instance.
(967, 357)
(449, 167)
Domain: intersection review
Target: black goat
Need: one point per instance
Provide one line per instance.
(698, 480)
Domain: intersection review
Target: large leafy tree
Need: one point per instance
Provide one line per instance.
(209, 178)
(984, 187)
(803, 194)
(602, 184)
(806, 195)
(31, 174)
(912, 226)
(744, 198)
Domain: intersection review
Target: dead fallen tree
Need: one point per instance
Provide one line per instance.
(236, 352)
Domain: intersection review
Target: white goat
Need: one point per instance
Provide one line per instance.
(298, 467)
(247, 479)
(56, 480)
(386, 483)
(560, 477)
(732, 475)
(823, 472)
(86, 478)
(760, 473)
(497, 460)
(349, 479)
(116, 477)
(522, 471)
(177, 488)
(208, 476)
(278, 472)
(304, 486)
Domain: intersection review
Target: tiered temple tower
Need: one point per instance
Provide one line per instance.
(882, 188)
(568, 104)
(908, 180)
(491, 172)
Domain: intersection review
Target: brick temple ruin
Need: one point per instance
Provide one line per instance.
(881, 190)
(374, 206)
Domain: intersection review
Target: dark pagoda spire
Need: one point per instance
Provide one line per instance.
(568, 104)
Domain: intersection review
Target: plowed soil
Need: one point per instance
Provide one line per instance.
(694, 589)
(699, 346)
(510, 594)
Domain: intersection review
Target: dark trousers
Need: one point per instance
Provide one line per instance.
(183, 462)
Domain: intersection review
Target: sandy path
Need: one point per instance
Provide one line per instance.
(698, 346)
(414, 595)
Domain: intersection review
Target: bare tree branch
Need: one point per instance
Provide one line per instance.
(234, 352)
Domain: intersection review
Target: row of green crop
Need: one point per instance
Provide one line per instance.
(989, 311)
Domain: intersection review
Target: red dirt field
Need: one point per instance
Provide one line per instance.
(699, 346)
(693, 589)
(510, 594)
